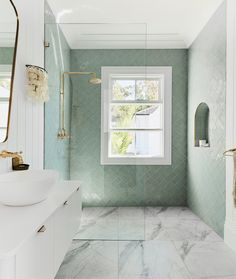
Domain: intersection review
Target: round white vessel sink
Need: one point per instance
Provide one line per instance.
(29, 187)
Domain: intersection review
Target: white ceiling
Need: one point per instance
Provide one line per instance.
(132, 23)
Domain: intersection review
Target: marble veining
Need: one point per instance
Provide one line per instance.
(146, 243)
(143, 223)
(207, 259)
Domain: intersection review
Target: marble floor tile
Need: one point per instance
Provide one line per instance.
(126, 223)
(90, 260)
(188, 229)
(169, 212)
(151, 223)
(207, 259)
(177, 229)
(99, 230)
(122, 260)
(150, 260)
(131, 223)
(133, 213)
(99, 213)
(99, 223)
(131, 230)
(154, 230)
(146, 243)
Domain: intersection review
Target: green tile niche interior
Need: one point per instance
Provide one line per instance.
(126, 185)
(201, 124)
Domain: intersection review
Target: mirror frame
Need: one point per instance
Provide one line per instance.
(13, 70)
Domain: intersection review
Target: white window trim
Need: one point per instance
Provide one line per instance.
(107, 73)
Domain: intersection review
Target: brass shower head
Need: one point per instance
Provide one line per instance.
(95, 80)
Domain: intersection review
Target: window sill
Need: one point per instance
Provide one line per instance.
(136, 161)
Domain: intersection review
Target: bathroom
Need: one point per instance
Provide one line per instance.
(117, 139)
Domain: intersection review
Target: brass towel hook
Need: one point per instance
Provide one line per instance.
(230, 152)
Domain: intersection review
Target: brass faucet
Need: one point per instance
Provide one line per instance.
(16, 158)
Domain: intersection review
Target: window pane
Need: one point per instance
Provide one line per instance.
(136, 116)
(137, 144)
(122, 144)
(136, 89)
(5, 84)
(148, 89)
(149, 143)
(123, 90)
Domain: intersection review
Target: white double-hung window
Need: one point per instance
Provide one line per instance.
(136, 115)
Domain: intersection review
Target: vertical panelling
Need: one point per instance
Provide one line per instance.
(26, 126)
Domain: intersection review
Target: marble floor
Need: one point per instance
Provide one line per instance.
(146, 243)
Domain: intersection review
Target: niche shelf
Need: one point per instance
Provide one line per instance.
(201, 125)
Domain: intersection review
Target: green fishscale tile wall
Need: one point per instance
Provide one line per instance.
(207, 83)
(126, 185)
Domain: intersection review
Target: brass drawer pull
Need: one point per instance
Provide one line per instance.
(66, 203)
(42, 229)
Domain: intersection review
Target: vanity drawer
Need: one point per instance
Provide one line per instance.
(35, 259)
(66, 224)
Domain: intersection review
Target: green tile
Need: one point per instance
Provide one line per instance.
(207, 83)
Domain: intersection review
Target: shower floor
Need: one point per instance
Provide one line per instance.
(146, 243)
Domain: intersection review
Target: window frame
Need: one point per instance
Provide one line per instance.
(106, 94)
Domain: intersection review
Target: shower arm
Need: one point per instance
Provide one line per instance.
(62, 134)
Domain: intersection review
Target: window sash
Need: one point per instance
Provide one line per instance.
(134, 155)
(135, 78)
(134, 128)
(113, 101)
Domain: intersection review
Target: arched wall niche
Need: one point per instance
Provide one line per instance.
(202, 126)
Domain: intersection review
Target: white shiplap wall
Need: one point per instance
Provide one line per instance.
(27, 119)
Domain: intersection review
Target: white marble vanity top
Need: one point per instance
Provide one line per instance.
(17, 224)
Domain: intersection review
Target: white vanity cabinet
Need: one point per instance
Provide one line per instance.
(35, 245)
(35, 258)
(66, 224)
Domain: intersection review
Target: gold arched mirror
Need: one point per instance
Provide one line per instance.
(9, 27)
